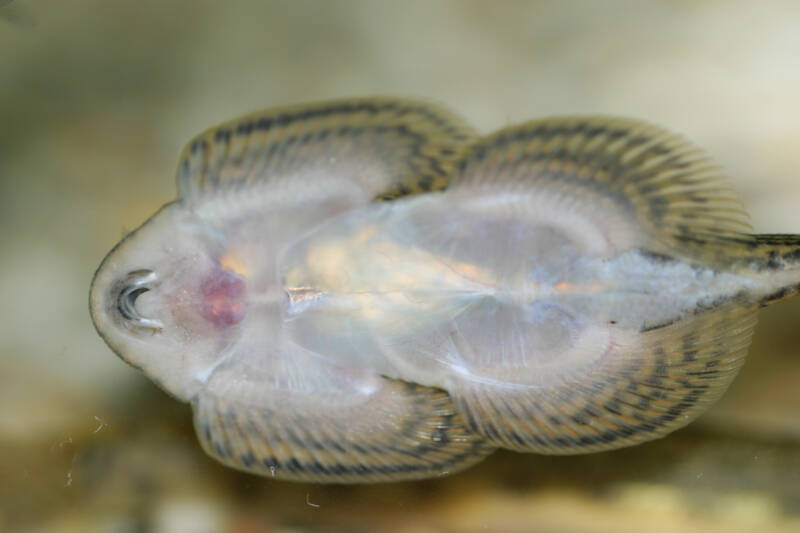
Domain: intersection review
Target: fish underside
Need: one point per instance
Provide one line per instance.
(366, 290)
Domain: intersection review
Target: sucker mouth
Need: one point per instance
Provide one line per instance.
(135, 284)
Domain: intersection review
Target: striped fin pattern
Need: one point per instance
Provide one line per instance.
(776, 251)
(669, 187)
(390, 147)
(407, 432)
(628, 397)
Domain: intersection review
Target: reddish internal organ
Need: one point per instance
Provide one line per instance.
(223, 298)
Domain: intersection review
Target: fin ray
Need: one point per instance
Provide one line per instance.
(667, 185)
(390, 147)
(404, 432)
(635, 395)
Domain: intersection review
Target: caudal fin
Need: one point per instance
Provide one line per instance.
(775, 260)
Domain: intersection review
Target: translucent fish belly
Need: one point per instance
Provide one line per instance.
(442, 286)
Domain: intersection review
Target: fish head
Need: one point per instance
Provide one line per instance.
(165, 304)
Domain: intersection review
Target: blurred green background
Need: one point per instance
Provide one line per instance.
(97, 98)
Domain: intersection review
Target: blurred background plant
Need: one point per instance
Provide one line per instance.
(96, 100)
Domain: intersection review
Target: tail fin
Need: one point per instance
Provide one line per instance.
(779, 247)
(776, 258)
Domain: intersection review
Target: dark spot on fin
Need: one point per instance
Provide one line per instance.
(654, 327)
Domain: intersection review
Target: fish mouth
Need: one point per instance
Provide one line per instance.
(131, 287)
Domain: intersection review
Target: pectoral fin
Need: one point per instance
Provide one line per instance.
(402, 431)
(382, 146)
